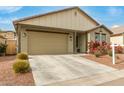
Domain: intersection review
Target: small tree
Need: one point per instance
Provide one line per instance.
(2, 48)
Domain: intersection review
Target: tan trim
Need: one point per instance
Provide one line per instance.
(35, 16)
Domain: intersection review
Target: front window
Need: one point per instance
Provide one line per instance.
(97, 36)
(103, 37)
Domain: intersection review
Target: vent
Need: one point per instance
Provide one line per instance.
(75, 13)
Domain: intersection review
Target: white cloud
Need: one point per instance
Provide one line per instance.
(9, 9)
(7, 20)
(115, 26)
(115, 11)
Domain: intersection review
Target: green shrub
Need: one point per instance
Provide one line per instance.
(3, 48)
(97, 53)
(22, 56)
(110, 53)
(21, 66)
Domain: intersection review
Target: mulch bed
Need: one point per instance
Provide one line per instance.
(9, 78)
(107, 60)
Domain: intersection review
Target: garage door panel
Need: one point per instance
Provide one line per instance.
(47, 43)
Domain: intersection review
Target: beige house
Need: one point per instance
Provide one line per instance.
(59, 32)
(118, 35)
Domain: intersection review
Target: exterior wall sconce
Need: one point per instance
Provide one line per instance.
(75, 13)
(70, 38)
(24, 35)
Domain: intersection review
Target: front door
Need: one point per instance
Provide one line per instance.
(77, 43)
(81, 40)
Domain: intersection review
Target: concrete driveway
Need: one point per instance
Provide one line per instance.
(52, 69)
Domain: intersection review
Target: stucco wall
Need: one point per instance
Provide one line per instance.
(117, 40)
(70, 19)
(23, 41)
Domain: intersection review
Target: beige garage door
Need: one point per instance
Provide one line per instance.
(47, 43)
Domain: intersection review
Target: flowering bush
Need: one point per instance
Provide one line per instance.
(103, 47)
(93, 46)
(119, 49)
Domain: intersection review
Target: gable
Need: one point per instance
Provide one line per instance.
(69, 19)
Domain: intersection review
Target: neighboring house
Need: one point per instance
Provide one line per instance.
(118, 35)
(11, 41)
(2, 39)
(9, 35)
(59, 32)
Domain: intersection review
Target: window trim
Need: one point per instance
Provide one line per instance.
(101, 36)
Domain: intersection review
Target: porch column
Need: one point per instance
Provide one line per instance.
(100, 35)
(75, 49)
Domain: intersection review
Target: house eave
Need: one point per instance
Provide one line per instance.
(119, 34)
(29, 27)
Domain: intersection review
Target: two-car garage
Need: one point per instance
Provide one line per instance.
(47, 43)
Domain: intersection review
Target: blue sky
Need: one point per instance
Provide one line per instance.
(109, 16)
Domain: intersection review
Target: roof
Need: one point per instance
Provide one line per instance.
(100, 26)
(70, 8)
(117, 30)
